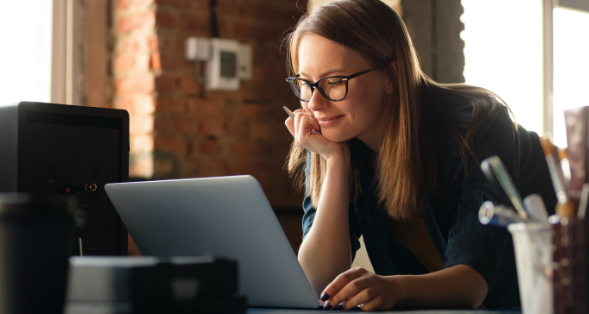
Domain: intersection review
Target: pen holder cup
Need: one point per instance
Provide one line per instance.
(533, 255)
(570, 267)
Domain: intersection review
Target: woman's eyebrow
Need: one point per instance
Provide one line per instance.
(325, 74)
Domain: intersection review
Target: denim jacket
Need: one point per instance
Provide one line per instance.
(451, 215)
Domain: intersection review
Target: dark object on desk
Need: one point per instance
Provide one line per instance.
(150, 285)
(36, 239)
(571, 264)
(70, 151)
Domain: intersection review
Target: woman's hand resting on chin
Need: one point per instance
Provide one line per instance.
(358, 287)
(306, 132)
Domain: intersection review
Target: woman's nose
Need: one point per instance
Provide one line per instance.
(317, 101)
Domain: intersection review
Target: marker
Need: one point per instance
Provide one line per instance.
(291, 115)
(497, 215)
(536, 208)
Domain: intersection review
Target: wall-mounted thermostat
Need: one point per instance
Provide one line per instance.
(227, 62)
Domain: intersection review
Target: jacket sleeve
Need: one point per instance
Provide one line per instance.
(483, 247)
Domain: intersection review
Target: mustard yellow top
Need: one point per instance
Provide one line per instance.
(411, 234)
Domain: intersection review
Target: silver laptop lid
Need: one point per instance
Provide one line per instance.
(219, 216)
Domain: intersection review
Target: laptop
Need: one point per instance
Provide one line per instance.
(219, 216)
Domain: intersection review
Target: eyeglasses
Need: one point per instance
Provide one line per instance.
(334, 88)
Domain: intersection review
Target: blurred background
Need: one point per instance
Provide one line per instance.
(130, 54)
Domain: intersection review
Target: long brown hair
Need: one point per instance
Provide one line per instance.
(406, 173)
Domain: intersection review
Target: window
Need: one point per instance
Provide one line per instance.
(25, 57)
(571, 66)
(504, 49)
(37, 55)
(503, 53)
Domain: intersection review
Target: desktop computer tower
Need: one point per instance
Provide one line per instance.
(73, 151)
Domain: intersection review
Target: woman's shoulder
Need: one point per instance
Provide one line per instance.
(464, 105)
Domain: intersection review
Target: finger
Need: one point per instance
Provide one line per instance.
(373, 305)
(363, 297)
(298, 114)
(290, 126)
(315, 127)
(354, 288)
(303, 127)
(341, 281)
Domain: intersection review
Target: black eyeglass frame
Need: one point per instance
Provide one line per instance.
(315, 85)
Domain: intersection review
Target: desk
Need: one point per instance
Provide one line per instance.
(252, 310)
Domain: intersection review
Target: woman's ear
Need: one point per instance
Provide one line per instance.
(392, 80)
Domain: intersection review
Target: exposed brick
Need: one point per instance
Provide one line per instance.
(136, 21)
(174, 3)
(165, 124)
(143, 3)
(213, 127)
(243, 148)
(209, 147)
(173, 62)
(237, 166)
(261, 130)
(249, 30)
(253, 111)
(122, 5)
(265, 12)
(211, 132)
(168, 42)
(211, 167)
(166, 19)
(141, 124)
(170, 104)
(189, 84)
(194, 23)
(139, 104)
(188, 126)
(155, 61)
(141, 165)
(202, 107)
(131, 62)
(141, 142)
(165, 83)
(229, 9)
(131, 45)
(141, 84)
(238, 129)
(171, 144)
(152, 42)
(202, 5)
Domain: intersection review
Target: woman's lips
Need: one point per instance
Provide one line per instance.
(326, 122)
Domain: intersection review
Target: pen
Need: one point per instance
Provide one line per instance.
(494, 170)
(290, 114)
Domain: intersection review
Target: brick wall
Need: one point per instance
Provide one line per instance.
(180, 130)
(200, 133)
(135, 64)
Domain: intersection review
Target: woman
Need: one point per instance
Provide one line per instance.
(394, 156)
